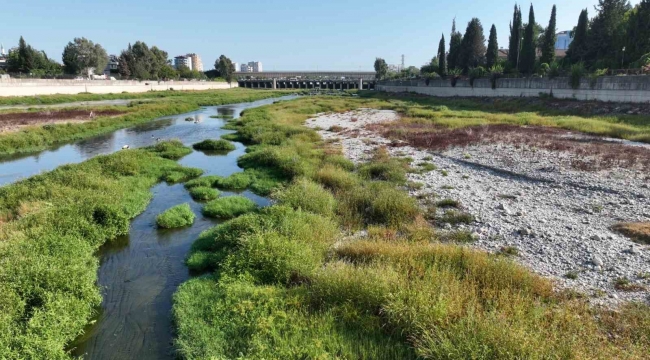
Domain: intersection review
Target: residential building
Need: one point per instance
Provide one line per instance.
(2, 51)
(196, 62)
(564, 39)
(237, 68)
(255, 66)
(245, 68)
(111, 66)
(182, 60)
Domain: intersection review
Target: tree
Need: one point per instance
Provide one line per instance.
(638, 32)
(514, 46)
(528, 46)
(472, 48)
(578, 47)
(167, 72)
(492, 55)
(141, 62)
(431, 67)
(381, 68)
(442, 65)
(26, 59)
(607, 33)
(26, 55)
(123, 64)
(83, 56)
(226, 68)
(454, 47)
(549, 39)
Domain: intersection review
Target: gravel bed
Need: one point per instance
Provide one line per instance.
(558, 218)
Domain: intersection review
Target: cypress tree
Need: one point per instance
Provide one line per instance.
(492, 54)
(550, 37)
(514, 46)
(578, 47)
(442, 64)
(454, 47)
(528, 47)
(472, 48)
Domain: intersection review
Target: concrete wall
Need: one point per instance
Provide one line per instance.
(608, 88)
(29, 87)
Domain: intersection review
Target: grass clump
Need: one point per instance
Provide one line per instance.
(624, 284)
(203, 193)
(175, 217)
(173, 149)
(236, 181)
(456, 217)
(335, 178)
(376, 202)
(638, 232)
(509, 251)
(309, 196)
(448, 203)
(228, 207)
(182, 175)
(203, 181)
(220, 145)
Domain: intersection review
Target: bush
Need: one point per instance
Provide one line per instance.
(376, 203)
(203, 193)
(177, 216)
(309, 196)
(236, 181)
(335, 178)
(475, 73)
(554, 70)
(496, 72)
(182, 174)
(204, 181)
(173, 149)
(577, 72)
(228, 207)
(214, 145)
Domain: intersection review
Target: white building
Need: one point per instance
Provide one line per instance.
(2, 51)
(182, 60)
(197, 64)
(564, 39)
(236, 66)
(255, 66)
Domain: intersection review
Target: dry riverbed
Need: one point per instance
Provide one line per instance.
(554, 205)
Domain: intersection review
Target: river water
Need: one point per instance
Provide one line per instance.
(140, 272)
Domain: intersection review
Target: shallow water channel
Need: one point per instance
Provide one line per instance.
(140, 272)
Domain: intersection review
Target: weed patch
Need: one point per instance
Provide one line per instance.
(175, 217)
(228, 207)
(221, 145)
(202, 193)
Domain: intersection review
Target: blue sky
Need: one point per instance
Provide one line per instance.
(283, 34)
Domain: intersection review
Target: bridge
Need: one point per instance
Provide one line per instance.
(294, 83)
(313, 75)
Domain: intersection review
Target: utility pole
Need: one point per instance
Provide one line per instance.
(402, 62)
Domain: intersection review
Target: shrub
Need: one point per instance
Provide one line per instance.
(448, 203)
(173, 149)
(228, 207)
(456, 217)
(204, 181)
(214, 145)
(203, 193)
(376, 203)
(554, 70)
(391, 170)
(177, 216)
(577, 72)
(309, 196)
(236, 181)
(454, 75)
(475, 73)
(335, 178)
(182, 174)
(339, 161)
(496, 71)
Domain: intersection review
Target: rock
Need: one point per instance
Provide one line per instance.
(596, 260)
(524, 231)
(595, 237)
(475, 236)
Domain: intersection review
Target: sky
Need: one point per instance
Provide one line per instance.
(282, 34)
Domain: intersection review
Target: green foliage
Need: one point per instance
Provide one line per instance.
(228, 207)
(182, 175)
(304, 194)
(496, 72)
(475, 73)
(514, 47)
(335, 178)
(637, 37)
(236, 181)
(455, 40)
(381, 68)
(225, 67)
(548, 44)
(175, 217)
(386, 170)
(472, 48)
(578, 48)
(529, 45)
(203, 193)
(204, 181)
(606, 34)
(144, 63)
(577, 72)
(28, 60)
(214, 145)
(442, 55)
(173, 149)
(81, 55)
(492, 54)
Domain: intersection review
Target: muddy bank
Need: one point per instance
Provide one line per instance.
(14, 121)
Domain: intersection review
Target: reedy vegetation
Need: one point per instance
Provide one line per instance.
(277, 287)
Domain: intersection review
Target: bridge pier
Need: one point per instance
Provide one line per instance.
(275, 85)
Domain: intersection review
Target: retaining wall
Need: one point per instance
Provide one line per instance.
(29, 87)
(607, 88)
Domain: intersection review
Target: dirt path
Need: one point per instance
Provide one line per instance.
(10, 122)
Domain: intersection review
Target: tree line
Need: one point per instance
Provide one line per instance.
(83, 57)
(618, 36)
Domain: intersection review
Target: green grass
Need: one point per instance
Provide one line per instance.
(236, 181)
(289, 282)
(214, 145)
(52, 226)
(35, 138)
(203, 181)
(203, 193)
(173, 150)
(182, 175)
(228, 207)
(175, 217)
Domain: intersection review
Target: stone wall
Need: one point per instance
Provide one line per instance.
(607, 88)
(29, 87)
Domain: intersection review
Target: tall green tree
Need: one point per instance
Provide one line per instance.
(472, 48)
(529, 45)
(638, 32)
(25, 55)
(225, 67)
(82, 56)
(381, 68)
(25, 59)
(514, 46)
(549, 40)
(442, 64)
(578, 47)
(454, 47)
(492, 55)
(141, 62)
(607, 34)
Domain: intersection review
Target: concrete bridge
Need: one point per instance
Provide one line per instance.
(359, 84)
(313, 75)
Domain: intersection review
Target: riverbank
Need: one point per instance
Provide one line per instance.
(34, 138)
(346, 264)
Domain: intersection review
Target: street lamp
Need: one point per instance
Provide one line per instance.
(623, 58)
